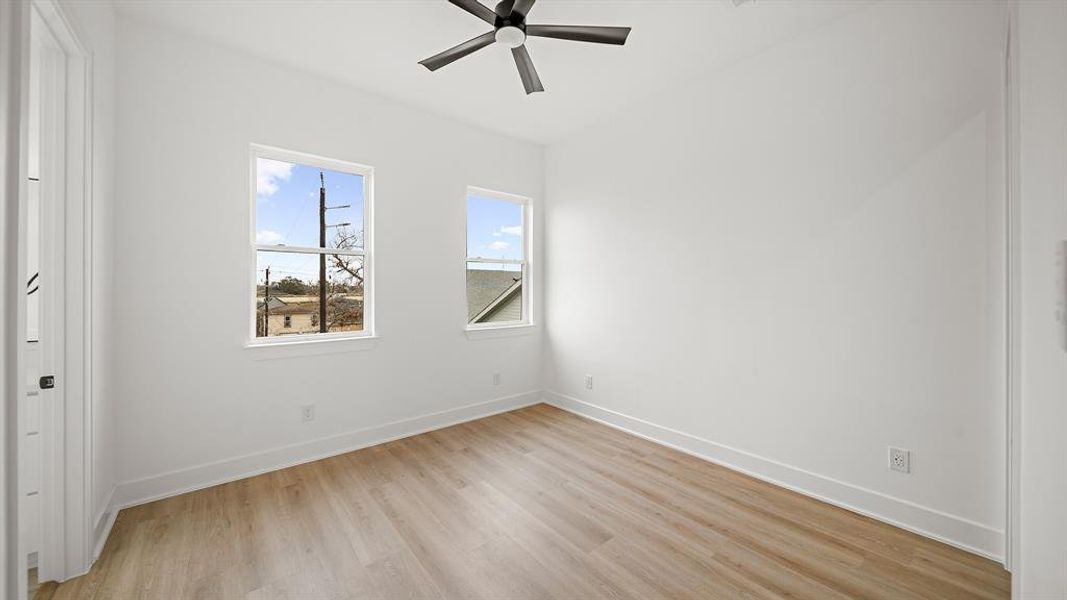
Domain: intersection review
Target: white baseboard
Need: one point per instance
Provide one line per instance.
(105, 520)
(959, 532)
(165, 485)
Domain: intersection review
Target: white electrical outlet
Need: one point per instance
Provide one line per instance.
(588, 382)
(900, 459)
(496, 378)
(307, 412)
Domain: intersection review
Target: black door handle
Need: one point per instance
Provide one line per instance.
(47, 382)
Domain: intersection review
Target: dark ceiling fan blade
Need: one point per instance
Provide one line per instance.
(503, 8)
(523, 7)
(457, 52)
(581, 33)
(530, 80)
(477, 9)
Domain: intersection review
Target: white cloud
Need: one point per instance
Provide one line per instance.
(269, 173)
(515, 230)
(497, 234)
(499, 245)
(269, 238)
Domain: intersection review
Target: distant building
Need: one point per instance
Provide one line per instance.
(291, 315)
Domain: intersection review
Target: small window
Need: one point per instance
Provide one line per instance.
(311, 240)
(498, 273)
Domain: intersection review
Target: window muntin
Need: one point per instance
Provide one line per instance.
(310, 215)
(498, 274)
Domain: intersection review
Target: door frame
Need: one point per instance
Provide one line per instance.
(66, 515)
(1013, 318)
(49, 60)
(14, 77)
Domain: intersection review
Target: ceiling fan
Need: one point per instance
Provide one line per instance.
(509, 28)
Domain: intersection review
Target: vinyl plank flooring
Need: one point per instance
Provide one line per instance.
(535, 503)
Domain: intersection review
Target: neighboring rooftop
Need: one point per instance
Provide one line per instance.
(485, 287)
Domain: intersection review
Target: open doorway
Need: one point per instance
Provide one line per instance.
(44, 296)
(55, 248)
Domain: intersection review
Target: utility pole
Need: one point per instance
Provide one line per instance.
(322, 244)
(322, 256)
(266, 304)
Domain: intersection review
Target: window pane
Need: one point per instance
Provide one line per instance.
(344, 299)
(494, 228)
(494, 293)
(294, 301)
(287, 205)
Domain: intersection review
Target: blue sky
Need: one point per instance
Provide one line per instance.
(287, 204)
(494, 228)
(287, 212)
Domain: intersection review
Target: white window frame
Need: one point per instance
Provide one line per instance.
(526, 262)
(290, 156)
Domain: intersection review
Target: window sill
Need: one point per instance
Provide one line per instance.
(500, 331)
(298, 348)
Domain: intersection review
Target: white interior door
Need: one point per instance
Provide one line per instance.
(44, 296)
(30, 477)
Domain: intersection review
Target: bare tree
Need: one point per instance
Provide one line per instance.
(347, 239)
(343, 309)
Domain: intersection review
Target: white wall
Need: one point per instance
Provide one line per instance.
(190, 393)
(1042, 63)
(796, 262)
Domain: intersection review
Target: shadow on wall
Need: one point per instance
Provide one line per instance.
(1061, 293)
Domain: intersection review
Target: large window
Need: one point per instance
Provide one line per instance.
(498, 270)
(311, 239)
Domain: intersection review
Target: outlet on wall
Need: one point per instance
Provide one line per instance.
(307, 413)
(900, 459)
(496, 378)
(588, 382)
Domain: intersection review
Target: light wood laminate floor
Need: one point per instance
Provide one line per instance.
(535, 503)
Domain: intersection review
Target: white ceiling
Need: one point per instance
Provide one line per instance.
(376, 45)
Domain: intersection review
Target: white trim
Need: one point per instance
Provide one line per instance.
(497, 195)
(497, 261)
(52, 60)
(951, 529)
(488, 332)
(102, 525)
(316, 345)
(70, 552)
(1012, 294)
(332, 164)
(294, 339)
(14, 99)
(308, 159)
(283, 249)
(157, 487)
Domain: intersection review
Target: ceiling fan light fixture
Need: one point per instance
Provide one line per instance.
(511, 36)
(510, 28)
